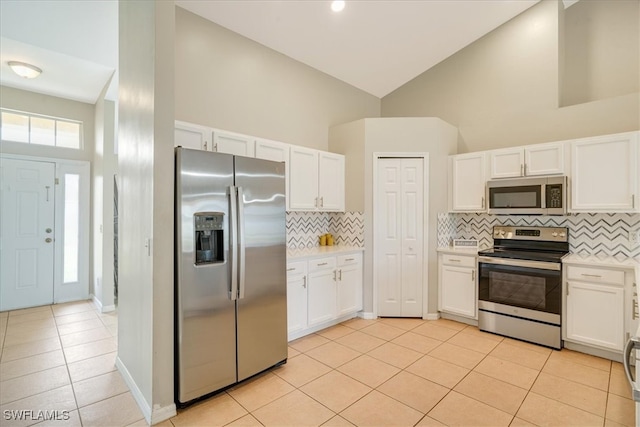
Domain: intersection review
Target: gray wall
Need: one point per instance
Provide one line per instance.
(227, 81)
(31, 102)
(504, 89)
(145, 163)
(359, 140)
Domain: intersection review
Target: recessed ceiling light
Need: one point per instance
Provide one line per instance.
(25, 70)
(337, 5)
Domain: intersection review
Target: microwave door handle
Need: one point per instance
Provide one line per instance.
(543, 196)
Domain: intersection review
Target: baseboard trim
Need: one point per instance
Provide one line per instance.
(135, 391)
(431, 316)
(102, 308)
(367, 315)
(155, 416)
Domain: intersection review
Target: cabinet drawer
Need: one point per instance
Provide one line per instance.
(295, 268)
(322, 264)
(596, 275)
(458, 260)
(349, 259)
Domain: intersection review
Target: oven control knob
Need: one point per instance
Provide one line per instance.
(563, 235)
(554, 234)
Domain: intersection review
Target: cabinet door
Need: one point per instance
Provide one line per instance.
(595, 314)
(296, 303)
(192, 136)
(604, 174)
(303, 179)
(321, 296)
(272, 150)
(458, 290)
(349, 288)
(233, 143)
(544, 159)
(467, 185)
(331, 182)
(507, 163)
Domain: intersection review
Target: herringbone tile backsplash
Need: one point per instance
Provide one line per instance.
(305, 228)
(594, 234)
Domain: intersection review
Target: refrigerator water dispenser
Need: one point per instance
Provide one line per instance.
(209, 237)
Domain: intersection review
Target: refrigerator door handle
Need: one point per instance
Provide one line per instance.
(241, 243)
(233, 242)
(632, 344)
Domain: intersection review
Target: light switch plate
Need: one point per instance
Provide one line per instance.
(634, 237)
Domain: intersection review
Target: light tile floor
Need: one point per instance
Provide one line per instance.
(385, 372)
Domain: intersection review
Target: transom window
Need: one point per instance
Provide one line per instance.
(16, 126)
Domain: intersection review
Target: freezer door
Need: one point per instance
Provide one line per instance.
(262, 297)
(205, 312)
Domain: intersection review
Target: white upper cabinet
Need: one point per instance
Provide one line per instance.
(233, 143)
(316, 180)
(303, 179)
(188, 135)
(272, 150)
(532, 160)
(604, 174)
(467, 182)
(330, 182)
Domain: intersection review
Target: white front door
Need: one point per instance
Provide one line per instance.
(26, 233)
(400, 235)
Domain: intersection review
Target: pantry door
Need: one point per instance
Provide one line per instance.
(26, 233)
(400, 236)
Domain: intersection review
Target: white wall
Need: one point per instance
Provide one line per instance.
(105, 165)
(226, 81)
(145, 162)
(504, 89)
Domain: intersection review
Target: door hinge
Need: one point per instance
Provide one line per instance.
(57, 182)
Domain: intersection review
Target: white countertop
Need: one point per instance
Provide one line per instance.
(293, 254)
(604, 261)
(462, 251)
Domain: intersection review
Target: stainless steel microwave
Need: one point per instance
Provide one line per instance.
(528, 196)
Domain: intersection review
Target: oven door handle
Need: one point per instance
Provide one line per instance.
(555, 266)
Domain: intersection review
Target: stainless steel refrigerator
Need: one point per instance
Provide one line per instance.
(230, 293)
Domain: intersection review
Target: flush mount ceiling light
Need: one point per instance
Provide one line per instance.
(337, 5)
(25, 70)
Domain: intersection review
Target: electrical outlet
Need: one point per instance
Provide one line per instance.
(634, 237)
(467, 228)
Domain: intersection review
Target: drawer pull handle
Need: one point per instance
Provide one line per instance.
(454, 260)
(350, 259)
(291, 269)
(323, 263)
(592, 275)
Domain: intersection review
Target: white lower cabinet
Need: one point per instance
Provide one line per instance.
(457, 285)
(322, 291)
(349, 283)
(296, 297)
(599, 306)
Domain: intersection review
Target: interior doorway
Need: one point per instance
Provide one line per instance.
(400, 216)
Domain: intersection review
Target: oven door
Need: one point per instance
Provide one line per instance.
(530, 289)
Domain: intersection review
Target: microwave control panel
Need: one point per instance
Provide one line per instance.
(554, 195)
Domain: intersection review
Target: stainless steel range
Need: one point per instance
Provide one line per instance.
(520, 284)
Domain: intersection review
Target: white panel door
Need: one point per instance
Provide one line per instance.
(26, 233)
(400, 206)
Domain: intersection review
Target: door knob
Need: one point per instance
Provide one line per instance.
(48, 230)
(48, 240)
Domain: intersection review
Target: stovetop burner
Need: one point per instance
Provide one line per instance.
(547, 244)
(523, 254)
